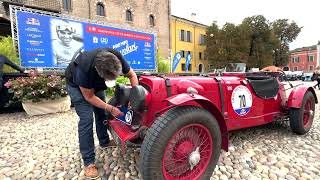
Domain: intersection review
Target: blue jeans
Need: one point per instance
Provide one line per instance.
(85, 127)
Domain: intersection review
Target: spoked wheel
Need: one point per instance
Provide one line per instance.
(188, 153)
(301, 119)
(308, 114)
(182, 144)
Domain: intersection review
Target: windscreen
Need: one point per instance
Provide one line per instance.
(236, 67)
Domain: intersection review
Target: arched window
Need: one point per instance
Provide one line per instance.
(129, 15)
(67, 5)
(100, 9)
(151, 20)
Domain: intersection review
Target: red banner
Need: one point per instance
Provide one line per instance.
(123, 34)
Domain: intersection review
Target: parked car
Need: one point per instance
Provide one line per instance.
(307, 77)
(183, 122)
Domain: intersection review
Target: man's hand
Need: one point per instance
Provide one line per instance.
(114, 111)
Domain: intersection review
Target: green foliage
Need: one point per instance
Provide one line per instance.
(255, 41)
(7, 49)
(120, 80)
(37, 87)
(284, 33)
(163, 65)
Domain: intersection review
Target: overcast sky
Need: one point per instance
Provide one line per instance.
(305, 13)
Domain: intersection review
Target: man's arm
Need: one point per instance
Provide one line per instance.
(6, 61)
(89, 95)
(132, 77)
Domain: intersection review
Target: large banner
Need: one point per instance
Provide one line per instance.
(51, 42)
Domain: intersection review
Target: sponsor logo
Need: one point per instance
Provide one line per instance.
(33, 29)
(95, 40)
(146, 49)
(147, 44)
(35, 49)
(34, 35)
(104, 40)
(35, 60)
(35, 54)
(33, 21)
(34, 43)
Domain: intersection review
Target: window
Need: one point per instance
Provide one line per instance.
(182, 53)
(311, 68)
(310, 58)
(67, 5)
(295, 68)
(296, 59)
(189, 36)
(129, 16)
(200, 55)
(183, 67)
(151, 20)
(100, 9)
(292, 59)
(202, 39)
(181, 35)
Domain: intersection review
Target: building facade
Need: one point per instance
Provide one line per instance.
(147, 15)
(187, 37)
(304, 59)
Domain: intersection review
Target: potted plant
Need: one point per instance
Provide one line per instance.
(40, 94)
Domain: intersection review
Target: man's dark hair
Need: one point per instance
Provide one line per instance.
(107, 65)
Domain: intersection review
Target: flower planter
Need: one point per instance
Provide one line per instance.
(47, 106)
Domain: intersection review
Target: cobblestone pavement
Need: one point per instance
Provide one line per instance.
(46, 147)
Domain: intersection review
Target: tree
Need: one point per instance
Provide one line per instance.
(214, 46)
(255, 41)
(259, 36)
(285, 33)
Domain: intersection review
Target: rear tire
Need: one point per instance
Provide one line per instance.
(301, 118)
(173, 139)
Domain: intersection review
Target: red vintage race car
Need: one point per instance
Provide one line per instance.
(182, 122)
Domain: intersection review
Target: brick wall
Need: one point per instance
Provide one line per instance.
(115, 12)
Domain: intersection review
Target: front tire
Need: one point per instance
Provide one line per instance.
(183, 143)
(301, 118)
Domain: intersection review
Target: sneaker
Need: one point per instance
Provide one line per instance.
(111, 143)
(91, 172)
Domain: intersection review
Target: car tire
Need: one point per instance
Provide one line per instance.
(175, 139)
(301, 118)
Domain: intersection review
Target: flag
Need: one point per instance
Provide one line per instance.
(176, 61)
(188, 60)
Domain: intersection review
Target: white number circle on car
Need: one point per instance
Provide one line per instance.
(241, 100)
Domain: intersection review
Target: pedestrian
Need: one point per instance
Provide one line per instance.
(87, 76)
(5, 60)
(316, 76)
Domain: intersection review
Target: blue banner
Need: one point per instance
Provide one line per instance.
(51, 42)
(188, 60)
(176, 61)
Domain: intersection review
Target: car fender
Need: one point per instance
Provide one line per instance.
(183, 98)
(297, 94)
